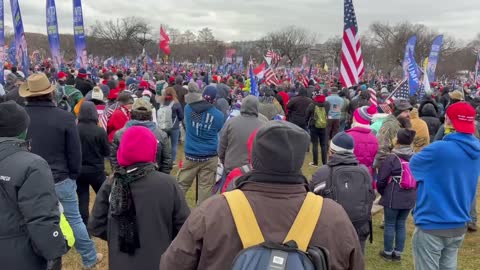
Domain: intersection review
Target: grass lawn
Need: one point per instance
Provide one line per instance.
(468, 258)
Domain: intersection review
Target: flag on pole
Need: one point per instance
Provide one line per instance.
(352, 60)
(253, 83)
(79, 35)
(275, 57)
(401, 92)
(271, 78)
(325, 67)
(373, 97)
(164, 41)
(260, 70)
(477, 69)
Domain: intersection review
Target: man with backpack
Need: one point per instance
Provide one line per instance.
(317, 113)
(66, 96)
(271, 195)
(447, 175)
(347, 182)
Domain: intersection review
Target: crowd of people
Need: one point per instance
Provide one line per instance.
(243, 155)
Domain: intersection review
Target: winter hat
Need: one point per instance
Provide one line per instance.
(194, 93)
(363, 87)
(210, 94)
(342, 142)
(320, 98)
(279, 148)
(363, 115)
(82, 73)
(193, 88)
(147, 93)
(14, 120)
(138, 145)
(122, 85)
(62, 75)
(97, 93)
(125, 98)
(401, 105)
(405, 136)
(462, 116)
(142, 105)
(384, 91)
(143, 85)
(105, 90)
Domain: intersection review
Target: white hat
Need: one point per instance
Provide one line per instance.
(97, 94)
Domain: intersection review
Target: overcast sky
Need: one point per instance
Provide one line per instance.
(250, 19)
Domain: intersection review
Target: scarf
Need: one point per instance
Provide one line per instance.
(122, 205)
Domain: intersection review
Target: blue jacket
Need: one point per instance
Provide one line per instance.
(202, 124)
(447, 174)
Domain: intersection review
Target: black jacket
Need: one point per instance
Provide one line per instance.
(429, 114)
(297, 109)
(311, 112)
(95, 146)
(54, 137)
(393, 196)
(181, 92)
(29, 218)
(161, 210)
(15, 96)
(83, 85)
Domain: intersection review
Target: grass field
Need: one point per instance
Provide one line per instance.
(468, 258)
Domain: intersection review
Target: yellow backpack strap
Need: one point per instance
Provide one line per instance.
(245, 221)
(305, 222)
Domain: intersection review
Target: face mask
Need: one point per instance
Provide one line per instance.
(62, 83)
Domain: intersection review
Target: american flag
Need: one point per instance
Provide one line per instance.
(401, 92)
(107, 114)
(271, 78)
(275, 56)
(373, 97)
(352, 60)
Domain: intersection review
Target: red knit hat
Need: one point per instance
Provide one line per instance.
(138, 145)
(61, 75)
(363, 115)
(462, 116)
(320, 98)
(143, 85)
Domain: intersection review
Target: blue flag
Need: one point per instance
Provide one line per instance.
(79, 35)
(11, 52)
(21, 57)
(2, 43)
(410, 47)
(413, 74)
(52, 31)
(253, 83)
(433, 57)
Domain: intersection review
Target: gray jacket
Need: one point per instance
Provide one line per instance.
(232, 149)
(29, 218)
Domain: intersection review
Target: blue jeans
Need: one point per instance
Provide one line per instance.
(432, 252)
(67, 195)
(174, 137)
(395, 228)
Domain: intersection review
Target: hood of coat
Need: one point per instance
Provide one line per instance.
(148, 124)
(414, 113)
(88, 113)
(468, 143)
(200, 106)
(342, 158)
(405, 152)
(250, 106)
(429, 110)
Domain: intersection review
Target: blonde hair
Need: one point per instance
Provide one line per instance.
(169, 91)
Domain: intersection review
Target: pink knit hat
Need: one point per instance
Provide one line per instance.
(138, 145)
(363, 115)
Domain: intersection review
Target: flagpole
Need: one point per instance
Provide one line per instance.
(396, 89)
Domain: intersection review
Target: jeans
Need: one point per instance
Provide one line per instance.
(66, 193)
(395, 228)
(84, 181)
(343, 124)
(206, 172)
(333, 126)
(174, 135)
(431, 252)
(319, 135)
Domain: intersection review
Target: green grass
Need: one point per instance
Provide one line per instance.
(468, 258)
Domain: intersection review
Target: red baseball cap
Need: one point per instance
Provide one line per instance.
(143, 85)
(462, 116)
(61, 75)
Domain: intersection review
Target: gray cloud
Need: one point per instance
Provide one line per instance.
(250, 19)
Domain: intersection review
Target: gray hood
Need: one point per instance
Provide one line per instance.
(88, 113)
(250, 106)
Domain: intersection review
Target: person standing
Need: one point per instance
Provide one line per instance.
(29, 228)
(95, 148)
(180, 90)
(335, 112)
(396, 201)
(66, 96)
(422, 137)
(203, 122)
(54, 137)
(437, 169)
(297, 109)
(121, 115)
(140, 210)
(317, 114)
(169, 104)
(82, 83)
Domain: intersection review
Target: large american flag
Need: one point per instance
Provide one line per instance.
(270, 77)
(274, 55)
(401, 92)
(352, 60)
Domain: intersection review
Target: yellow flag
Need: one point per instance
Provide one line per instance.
(325, 67)
(425, 63)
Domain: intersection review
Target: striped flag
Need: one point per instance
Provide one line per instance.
(107, 114)
(352, 60)
(271, 78)
(401, 92)
(274, 56)
(373, 97)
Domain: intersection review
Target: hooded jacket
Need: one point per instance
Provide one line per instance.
(422, 137)
(311, 111)
(117, 121)
(203, 122)
(366, 146)
(393, 196)
(297, 109)
(94, 141)
(438, 169)
(232, 149)
(164, 149)
(429, 114)
(180, 91)
(84, 86)
(29, 228)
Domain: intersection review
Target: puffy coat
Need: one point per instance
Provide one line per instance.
(366, 146)
(297, 109)
(429, 114)
(422, 136)
(29, 229)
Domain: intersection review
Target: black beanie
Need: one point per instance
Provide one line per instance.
(13, 119)
(405, 136)
(279, 148)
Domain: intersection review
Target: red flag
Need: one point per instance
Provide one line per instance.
(164, 41)
(351, 68)
(260, 69)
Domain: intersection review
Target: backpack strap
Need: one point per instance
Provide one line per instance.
(305, 222)
(244, 218)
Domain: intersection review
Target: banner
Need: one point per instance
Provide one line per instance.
(21, 57)
(410, 47)
(53, 36)
(433, 57)
(79, 35)
(2, 43)
(413, 76)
